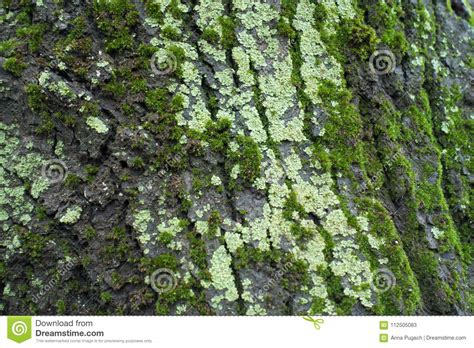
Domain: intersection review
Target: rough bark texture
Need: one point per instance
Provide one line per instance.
(236, 157)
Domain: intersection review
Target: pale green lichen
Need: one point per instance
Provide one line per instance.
(59, 149)
(141, 220)
(374, 242)
(216, 181)
(221, 274)
(60, 87)
(234, 174)
(72, 215)
(142, 224)
(3, 215)
(317, 65)
(169, 229)
(233, 241)
(97, 124)
(13, 202)
(437, 233)
(256, 310)
(39, 186)
(180, 309)
(202, 227)
(363, 223)
(28, 165)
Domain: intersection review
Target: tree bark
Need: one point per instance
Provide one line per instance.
(236, 157)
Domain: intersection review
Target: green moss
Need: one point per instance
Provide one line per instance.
(217, 134)
(36, 99)
(171, 33)
(342, 128)
(157, 99)
(72, 181)
(214, 223)
(396, 39)
(301, 233)
(149, 265)
(288, 8)
(115, 18)
(90, 233)
(177, 103)
(8, 47)
(119, 233)
(60, 307)
(14, 65)
(335, 291)
(285, 29)
(404, 297)
(138, 163)
(138, 85)
(228, 39)
(210, 35)
(78, 44)
(246, 255)
(91, 171)
(154, 10)
(117, 248)
(105, 297)
(33, 243)
(41, 213)
(181, 293)
(387, 20)
(360, 38)
(292, 205)
(161, 308)
(175, 10)
(249, 159)
(179, 55)
(198, 252)
(116, 89)
(166, 238)
(423, 261)
(320, 15)
(34, 35)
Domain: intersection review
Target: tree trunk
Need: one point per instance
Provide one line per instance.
(236, 157)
